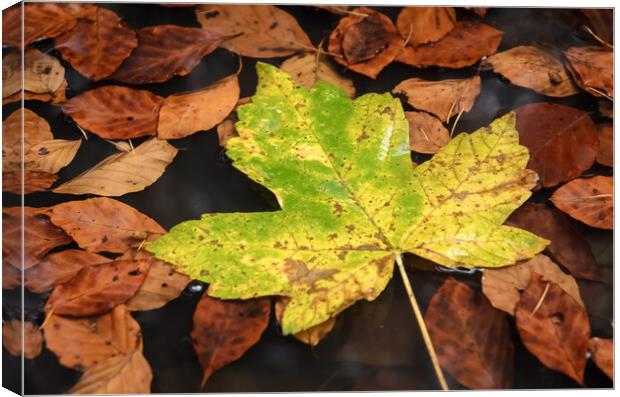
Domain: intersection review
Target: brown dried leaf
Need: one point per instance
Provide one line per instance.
(503, 286)
(309, 69)
(592, 69)
(43, 74)
(184, 114)
(606, 108)
(225, 329)
(531, 67)
(567, 246)
(425, 24)
(426, 133)
(554, 327)
(123, 173)
(41, 20)
(11, 277)
(603, 355)
(165, 51)
(50, 156)
(98, 44)
(81, 343)
(40, 236)
(116, 112)
(312, 336)
(34, 181)
(102, 224)
(12, 332)
(443, 98)
(463, 46)
(59, 268)
(589, 200)
(365, 44)
(122, 374)
(563, 142)
(472, 339)
(606, 144)
(226, 129)
(56, 97)
(36, 130)
(98, 288)
(258, 31)
(602, 22)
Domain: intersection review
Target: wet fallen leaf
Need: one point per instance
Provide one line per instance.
(98, 44)
(309, 69)
(122, 374)
(50, 156)
(34, 181)
(443, 98)
(81, 343)
(258, 31)
(554, 327)
(56, 97)
(311, 336)
(36, 130)
(563, 142)
(606, 144)
(40, 236)
(472, 339)
(123, 173)
(41, 20)
(567, 246)
(534, 68)
(365, 44)
(589, 200)
(58, 268)
(592, 69)
(503, 286)
(116, 112)
(426, 133)
(184, 114)
(12, 332)
(603, 355)
(422, 25)
(463, 46)
(226, 129)
(98, 288)
(43, 74)
(224, 330)
(103, 224)
(11, 277)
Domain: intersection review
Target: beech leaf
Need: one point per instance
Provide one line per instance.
(425, 24)
(589, 200)
(592, 68)
(12, 333)
(426, 133)
(40, 21)
(43, 74)
(33, 181)
(606, 144)
(35, 130)
(309, 69)
(603, 355)
(351, 201)
(50, 156)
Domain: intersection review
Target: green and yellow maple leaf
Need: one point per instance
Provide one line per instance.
(351, 202)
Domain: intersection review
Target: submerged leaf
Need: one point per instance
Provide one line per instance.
(350, 202)
(422, 25)
(588, 200)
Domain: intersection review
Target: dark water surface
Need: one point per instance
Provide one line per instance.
(375, 345)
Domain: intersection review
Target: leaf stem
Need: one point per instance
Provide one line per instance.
(422, 325)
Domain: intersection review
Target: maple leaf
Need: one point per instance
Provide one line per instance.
(351, 202)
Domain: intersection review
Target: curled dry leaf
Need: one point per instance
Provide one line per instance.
(41, 20)
(34, 181)
(422, 25)
(58, 268)
(606, 144)
(503, 286)
(226, 129)
(98, 288)
(603, 355)
(122, 374)
(102, 224)
(463, 46)
(165, 51)
(592, 69)
(589, 200)
(554, 327)
(309, 69)
(426, 133)
(567, 246)
(365, 44)
(123, 173)
(12, 332)
(184, 114)
(462, 323)
(224, 330)
(50, 156)
(443, 98)
(116, 112)
(43, 74)
(312, 336)
(258, 31)
(98, 44)
(563, 142)
(81, 343)
(534, 68)
(40, 236)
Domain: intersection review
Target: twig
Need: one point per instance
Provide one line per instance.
(83, 132)
(603, 42)
(408, 36)
(455, 122)
(131, 146)
(450, 111)
(425, 136)
(47, 317)
(540, 301)
(420, 320)
(600, 93)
